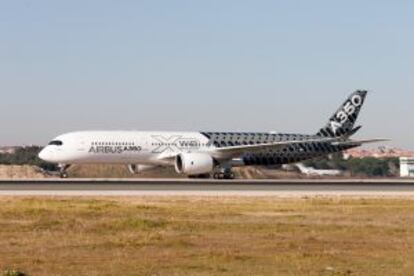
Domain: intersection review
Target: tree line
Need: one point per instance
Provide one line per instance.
(26, 156)
(367, 166)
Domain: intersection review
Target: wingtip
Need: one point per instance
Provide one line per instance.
(377, 140)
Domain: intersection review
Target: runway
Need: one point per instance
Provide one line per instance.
(189, 187)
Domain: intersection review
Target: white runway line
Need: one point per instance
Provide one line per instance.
(288, 194)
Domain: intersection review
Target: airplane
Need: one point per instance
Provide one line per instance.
(206, 154)
(314, 172)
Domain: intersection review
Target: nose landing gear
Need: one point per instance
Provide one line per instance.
(63, 170)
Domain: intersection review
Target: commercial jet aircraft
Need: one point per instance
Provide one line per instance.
(206, 154)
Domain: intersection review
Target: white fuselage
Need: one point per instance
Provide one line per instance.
(123, 147)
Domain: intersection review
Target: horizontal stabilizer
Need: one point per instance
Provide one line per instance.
(359, 142)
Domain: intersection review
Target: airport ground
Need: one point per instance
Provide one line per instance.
(50, 226)
(207, 235)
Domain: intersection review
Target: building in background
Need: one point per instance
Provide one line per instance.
(381, 152)
(406, 166)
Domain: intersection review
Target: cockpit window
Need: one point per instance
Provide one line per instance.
(56, 143)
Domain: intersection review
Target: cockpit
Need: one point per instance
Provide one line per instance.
(56, 143)
(54, 151)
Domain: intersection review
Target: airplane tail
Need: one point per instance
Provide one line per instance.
(342, 122)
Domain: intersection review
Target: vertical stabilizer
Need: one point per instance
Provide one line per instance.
(343, 121)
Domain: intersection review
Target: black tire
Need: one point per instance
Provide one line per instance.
(64, 175)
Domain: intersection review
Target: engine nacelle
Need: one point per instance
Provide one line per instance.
(194, 163)
(136, 168)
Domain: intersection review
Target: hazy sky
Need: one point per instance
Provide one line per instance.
(203, 65)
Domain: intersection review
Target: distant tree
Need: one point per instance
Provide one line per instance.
(26, 156)
(368, 166)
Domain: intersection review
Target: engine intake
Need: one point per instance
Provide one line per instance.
(194, 163)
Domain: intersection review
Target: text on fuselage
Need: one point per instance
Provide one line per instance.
(114, 149)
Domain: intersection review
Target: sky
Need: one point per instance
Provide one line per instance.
(214, 65)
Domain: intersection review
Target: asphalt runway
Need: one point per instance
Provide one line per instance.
(190, 187)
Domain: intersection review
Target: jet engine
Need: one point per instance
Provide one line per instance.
(137, 168)
(194, 163)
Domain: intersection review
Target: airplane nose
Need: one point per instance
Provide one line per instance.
(44, 154)
(41, 154)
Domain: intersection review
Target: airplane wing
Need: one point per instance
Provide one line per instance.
(359, 142)
(235, 151)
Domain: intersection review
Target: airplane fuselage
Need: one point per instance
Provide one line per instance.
(200, 153)
(150, 148)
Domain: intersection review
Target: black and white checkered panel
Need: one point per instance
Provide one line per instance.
(289, 154)
(343, 120)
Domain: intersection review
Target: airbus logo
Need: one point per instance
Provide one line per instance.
(114, 149)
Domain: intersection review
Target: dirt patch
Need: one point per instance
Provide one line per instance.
(20, 172)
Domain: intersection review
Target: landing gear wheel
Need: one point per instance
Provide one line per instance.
(63, 172)
(223, 173)
(64, 175)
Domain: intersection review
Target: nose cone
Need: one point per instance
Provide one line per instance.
(42, 154)
(45, 155)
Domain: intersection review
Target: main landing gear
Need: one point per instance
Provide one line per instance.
(223, 173)
(218, 173)
(62, 170)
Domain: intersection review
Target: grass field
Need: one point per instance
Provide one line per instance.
(207, 236)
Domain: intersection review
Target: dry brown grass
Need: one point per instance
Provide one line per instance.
(19, 172)
(205, 236)
(118, 171)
